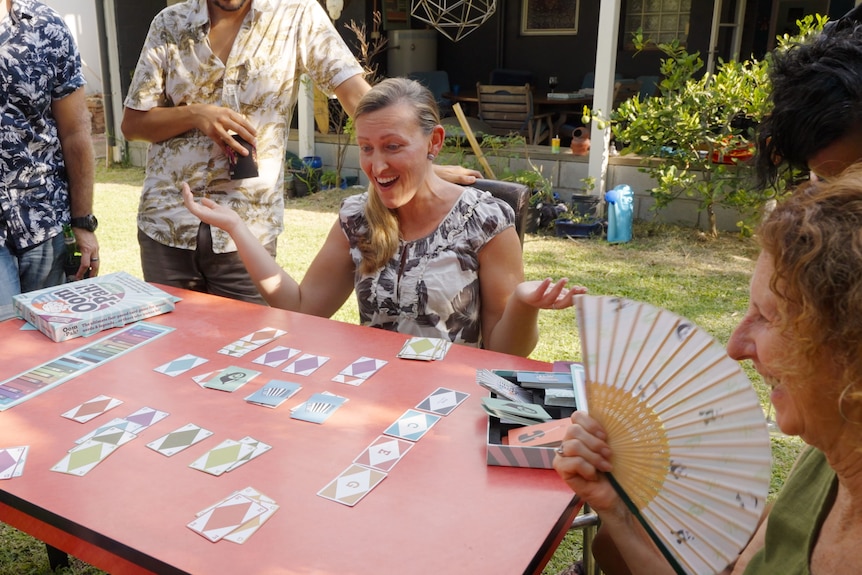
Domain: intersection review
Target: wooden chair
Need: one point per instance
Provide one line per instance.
(625, 89)
(508, 109)
(515, 194)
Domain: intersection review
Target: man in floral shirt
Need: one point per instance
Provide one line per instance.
(209, 69)
(46, 156)
(197, 55)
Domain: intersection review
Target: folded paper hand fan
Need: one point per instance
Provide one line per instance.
(689, 436)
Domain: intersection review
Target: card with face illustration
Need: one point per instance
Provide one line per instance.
(231, 378)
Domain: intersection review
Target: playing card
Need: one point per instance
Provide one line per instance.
(318, 408)
(247, 529)
(118, 422)
(251, 341)
(113, 435)
(276, 356)
(273, 393)
(179, 439)
(442, 401)
(412, 425)
(202, 378)
(502, 387)
(547, 434)
(383, 453)
(221, 457)
(92, 408)
(12, 461)
(352, 485)
(82, 458)
(145, 417)
(226, 517)
(181, 365)
(363, 368)
(231, 378)
(306, 364)
(258, 448)
(424, 348)
(515, 411)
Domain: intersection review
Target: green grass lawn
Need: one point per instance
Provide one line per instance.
(703, 279)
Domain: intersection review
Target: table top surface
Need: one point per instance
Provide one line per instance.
(441, 509)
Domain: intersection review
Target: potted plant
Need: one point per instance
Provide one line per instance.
(306, 176)
(543, 201)
(581, 219)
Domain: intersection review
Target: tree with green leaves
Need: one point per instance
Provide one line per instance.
(702, 129)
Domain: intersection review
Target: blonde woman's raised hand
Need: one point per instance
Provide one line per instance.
(209, 211)
(548, 294)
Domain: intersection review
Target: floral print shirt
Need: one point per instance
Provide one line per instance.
(430, 287)
(279, 40)
(39, 63)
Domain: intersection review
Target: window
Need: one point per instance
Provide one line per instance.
(661, 20)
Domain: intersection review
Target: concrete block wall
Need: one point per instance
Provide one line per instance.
(565, 171)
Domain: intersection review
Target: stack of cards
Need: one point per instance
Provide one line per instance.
(89, 453)
(545, 379)
(251, 342)
(12, 461)
(236, 517)
(229, 454)
(502, 387)
(514, 411)
(360, 370)
(318, 408)
(273, 393)
(425, 348)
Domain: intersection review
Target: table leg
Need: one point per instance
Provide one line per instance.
(56, 557)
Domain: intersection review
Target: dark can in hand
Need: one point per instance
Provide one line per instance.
(239, 166)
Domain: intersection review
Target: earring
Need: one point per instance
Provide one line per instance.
(431, 157)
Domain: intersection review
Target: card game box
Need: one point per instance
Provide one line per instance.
(498, 452)
(91, 305)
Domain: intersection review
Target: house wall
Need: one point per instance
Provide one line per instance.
(80, 17)
(566, 172)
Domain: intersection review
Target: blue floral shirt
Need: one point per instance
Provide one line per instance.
(39, 63)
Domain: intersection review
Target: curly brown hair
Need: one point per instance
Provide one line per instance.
(814, 238)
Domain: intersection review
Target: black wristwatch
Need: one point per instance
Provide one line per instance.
(88, 222)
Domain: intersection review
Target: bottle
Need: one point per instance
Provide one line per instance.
(73, 254)
(555, 145)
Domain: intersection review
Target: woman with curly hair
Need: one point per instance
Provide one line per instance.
(803, 333)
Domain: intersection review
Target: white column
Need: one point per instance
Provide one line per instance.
(305, 111)
(603, 95)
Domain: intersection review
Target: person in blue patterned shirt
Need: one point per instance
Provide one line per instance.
(46, 156)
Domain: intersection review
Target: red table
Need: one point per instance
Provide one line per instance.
(440, 510)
